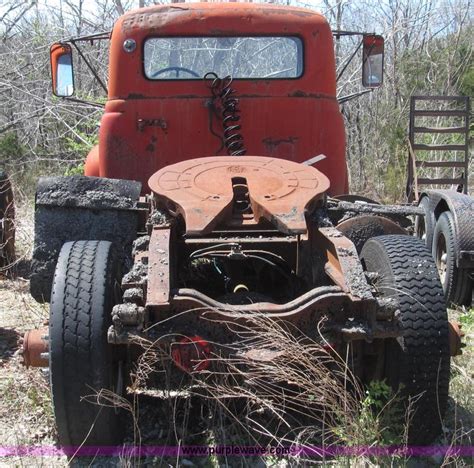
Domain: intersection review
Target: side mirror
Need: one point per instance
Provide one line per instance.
(62, 74)
(372, 65)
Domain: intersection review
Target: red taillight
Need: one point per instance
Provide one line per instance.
(329, 347)
(191, 353)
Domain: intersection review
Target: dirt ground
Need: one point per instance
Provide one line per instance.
(26, 415)
(25, 410)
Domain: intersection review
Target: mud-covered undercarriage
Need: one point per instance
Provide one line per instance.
(179, 288)
(282, 259)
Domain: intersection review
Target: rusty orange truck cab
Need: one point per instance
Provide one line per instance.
(288, 107)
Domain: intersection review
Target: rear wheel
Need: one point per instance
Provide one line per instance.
(417, 363)
(82, 363)
(456, 282)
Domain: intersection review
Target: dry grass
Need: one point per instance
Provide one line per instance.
(460, 418)
(318, 408)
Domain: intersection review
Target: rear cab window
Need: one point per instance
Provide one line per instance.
(191, 58)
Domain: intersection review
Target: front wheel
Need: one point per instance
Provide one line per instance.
(417, 363)
(82, 363)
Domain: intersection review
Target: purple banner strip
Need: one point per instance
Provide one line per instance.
(230, 450)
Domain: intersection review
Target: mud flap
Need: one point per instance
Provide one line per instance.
(80, 208)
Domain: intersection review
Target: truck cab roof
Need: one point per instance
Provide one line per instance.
(221, 20)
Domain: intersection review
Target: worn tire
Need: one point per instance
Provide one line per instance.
(417, 363)
(424, 225)
(7, 223)
(81, 360)
(457, 284)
